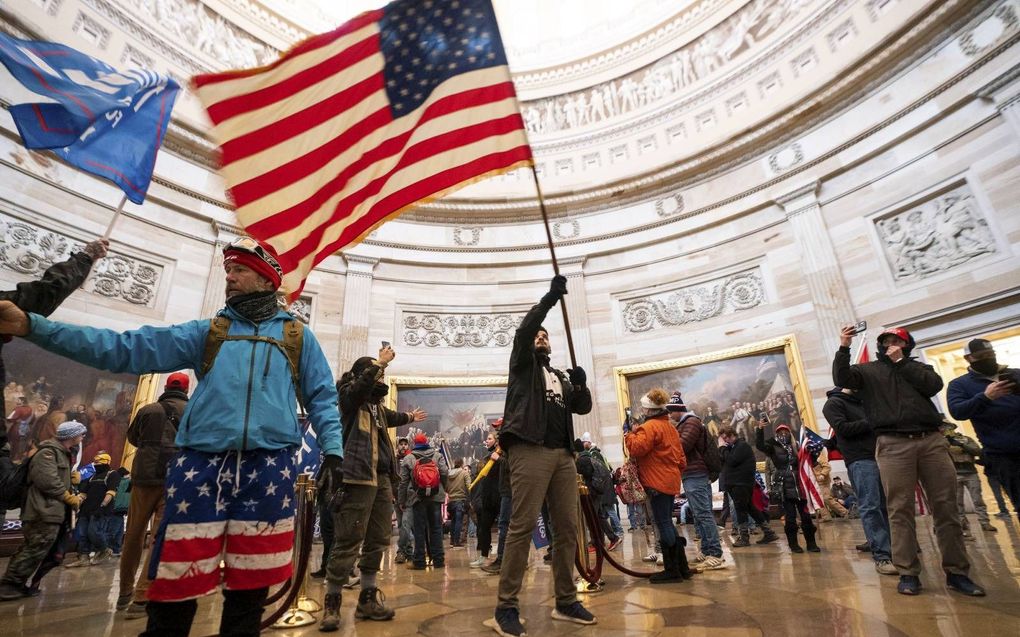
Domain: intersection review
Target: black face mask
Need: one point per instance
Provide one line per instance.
(986, 366)
(379, 391)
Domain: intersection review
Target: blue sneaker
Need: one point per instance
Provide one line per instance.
(909, 585)
(508, 623)
(573, 613)
(965, 585)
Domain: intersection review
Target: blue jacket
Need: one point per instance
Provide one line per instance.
(996, 423)
(246, 401)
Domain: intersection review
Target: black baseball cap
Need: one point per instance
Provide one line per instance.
(977, 346)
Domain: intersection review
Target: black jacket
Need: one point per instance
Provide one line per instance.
(524, 416)
(738, 465)
(855, 437)
(43, 297)
(896, 396)
(363, 444)
(784, 478)
(153, 434)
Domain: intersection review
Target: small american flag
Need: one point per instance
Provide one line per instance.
(399, 106)
(806, 475)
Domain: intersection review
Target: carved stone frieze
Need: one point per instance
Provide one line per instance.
(786, 158)
(695, 303)
(935, 235)
(982, 37)
(91, 30)
(432, 329)
(467, 236)
(669, 206)
(566, 229)
(29, 249)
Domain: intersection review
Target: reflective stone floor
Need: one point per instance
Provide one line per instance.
(767, 591)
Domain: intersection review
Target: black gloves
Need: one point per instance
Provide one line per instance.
(557, 288)
(577, 376)
(331, 475)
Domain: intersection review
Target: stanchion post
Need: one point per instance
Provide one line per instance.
(296, 615)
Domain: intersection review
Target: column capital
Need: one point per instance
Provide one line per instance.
(1003, 90)
(359, 265)
(799, 199)
(572, 266)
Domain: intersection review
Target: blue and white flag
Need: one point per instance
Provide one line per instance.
(308, 456)
(100, 120)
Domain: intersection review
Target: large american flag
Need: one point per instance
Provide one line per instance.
(398, 106)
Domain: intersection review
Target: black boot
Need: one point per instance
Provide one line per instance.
(768, 535)
(170, 619)
(242, 612)
(744, 539)
(682, 567)
(791, 537)
(809, 540)
(670, 572)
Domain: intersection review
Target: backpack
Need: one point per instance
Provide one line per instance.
(13, 483)
(631, 491)
(425, 476)
(122, 500)
(293, 337)
(601, 477)
(166, 454)
(713, 459)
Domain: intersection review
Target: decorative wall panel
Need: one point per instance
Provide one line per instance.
(441, 330)
(694, 303)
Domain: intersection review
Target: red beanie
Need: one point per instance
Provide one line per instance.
(421, 439)
(254, 255)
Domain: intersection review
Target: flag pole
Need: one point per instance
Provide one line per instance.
(116, 215)
(555, 264)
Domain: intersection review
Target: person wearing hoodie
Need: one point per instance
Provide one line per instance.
(989, 396)
(425, 502)
(856, 442)
(45, 518)
(656, 448)
(152, 431)
(782, 451)
(363, 501)
(896, 391)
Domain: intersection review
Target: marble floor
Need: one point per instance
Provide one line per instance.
(765, 591)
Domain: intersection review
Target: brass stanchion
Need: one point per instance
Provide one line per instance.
(299, 613)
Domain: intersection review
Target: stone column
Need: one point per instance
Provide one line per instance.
(356, 312)
(576, 302)
(1004, 91)
(216, 287)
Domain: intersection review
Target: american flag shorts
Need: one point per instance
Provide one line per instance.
(234, 509)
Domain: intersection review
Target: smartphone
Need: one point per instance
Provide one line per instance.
(385, 344)
(626, 412)
(860, 326)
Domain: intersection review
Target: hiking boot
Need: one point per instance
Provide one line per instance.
(478, 562)
(909, 585)
(965, 585)
(507, 622)
(574, 613)
(124, 600)
(371, 605)
(885, 567)
(10, 591)
(136, 610)
(83, 560)
(330, 613)
(494, 567)
(744, 539)
(768, 536)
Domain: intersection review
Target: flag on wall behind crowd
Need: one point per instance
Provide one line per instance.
(102, 121)
(399, 106)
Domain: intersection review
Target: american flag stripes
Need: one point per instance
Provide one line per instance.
(806, 475)
(398, 106)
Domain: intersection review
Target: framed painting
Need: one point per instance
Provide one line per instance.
(460, 410)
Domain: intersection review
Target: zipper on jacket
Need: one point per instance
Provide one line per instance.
(247, 403)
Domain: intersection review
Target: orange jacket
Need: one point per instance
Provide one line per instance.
(656, 447)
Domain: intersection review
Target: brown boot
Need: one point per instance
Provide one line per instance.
(371, 605)
(330, 613)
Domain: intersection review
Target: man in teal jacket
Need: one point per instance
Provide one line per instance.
(230, 491)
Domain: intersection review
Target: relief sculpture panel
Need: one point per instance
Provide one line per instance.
(694, 303)
(433, 329)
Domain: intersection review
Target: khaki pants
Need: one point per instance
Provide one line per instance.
(903, 462)
(147, 505)
(362, 525)
(540, 474)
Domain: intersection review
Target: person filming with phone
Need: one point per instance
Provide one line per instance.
(989, 396)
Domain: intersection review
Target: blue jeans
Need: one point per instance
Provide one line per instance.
(97, 531)
(867, 483)
(428, 522)
(662, 512)
(115, 531)
(505, 508)
(457, 508)
(406, 521)
(699, 497)
(636, 515)
(614, 519)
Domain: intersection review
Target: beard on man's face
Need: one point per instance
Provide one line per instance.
(543, 349)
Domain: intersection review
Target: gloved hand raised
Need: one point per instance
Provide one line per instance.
(577, 376)
(557, 288)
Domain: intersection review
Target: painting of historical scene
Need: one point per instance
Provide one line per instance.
(741, 391)
(44, 390)
(459, 416)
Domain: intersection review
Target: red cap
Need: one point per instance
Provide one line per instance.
(178, 380)
(786, 427)
(421, 439)
(896, 331)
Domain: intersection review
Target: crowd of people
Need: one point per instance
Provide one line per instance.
(213, 475)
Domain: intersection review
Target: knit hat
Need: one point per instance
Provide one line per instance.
(70, 429)
(257, 256)
(586, 437)
(178, 381)
(421, 439)
(976, 346)
(102, 458)
(676, 403)
(648, 403)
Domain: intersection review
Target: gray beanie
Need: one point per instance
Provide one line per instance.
(70, 429)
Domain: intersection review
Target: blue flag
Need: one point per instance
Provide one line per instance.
(308, 457)
(100, 120)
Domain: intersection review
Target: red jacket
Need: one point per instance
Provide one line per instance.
(655, 446)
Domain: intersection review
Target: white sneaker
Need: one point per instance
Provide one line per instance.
(478, 562)
(651, 557)
(698, 558)
(713, 563)
(658, 559)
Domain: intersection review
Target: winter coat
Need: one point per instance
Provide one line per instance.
(458, 484)
(486, 493)
(845, 414)
(656, 448)
(963, 450)
(738, 465)
(693, 437)
(153, 434)
(524, 414)
(408, 494)
(43, 296)
(896, 396)
(103, 483)
(586, 468)
(785, 462)
(49, 478)
(363, 444)
(996, 422)
(246, 401)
